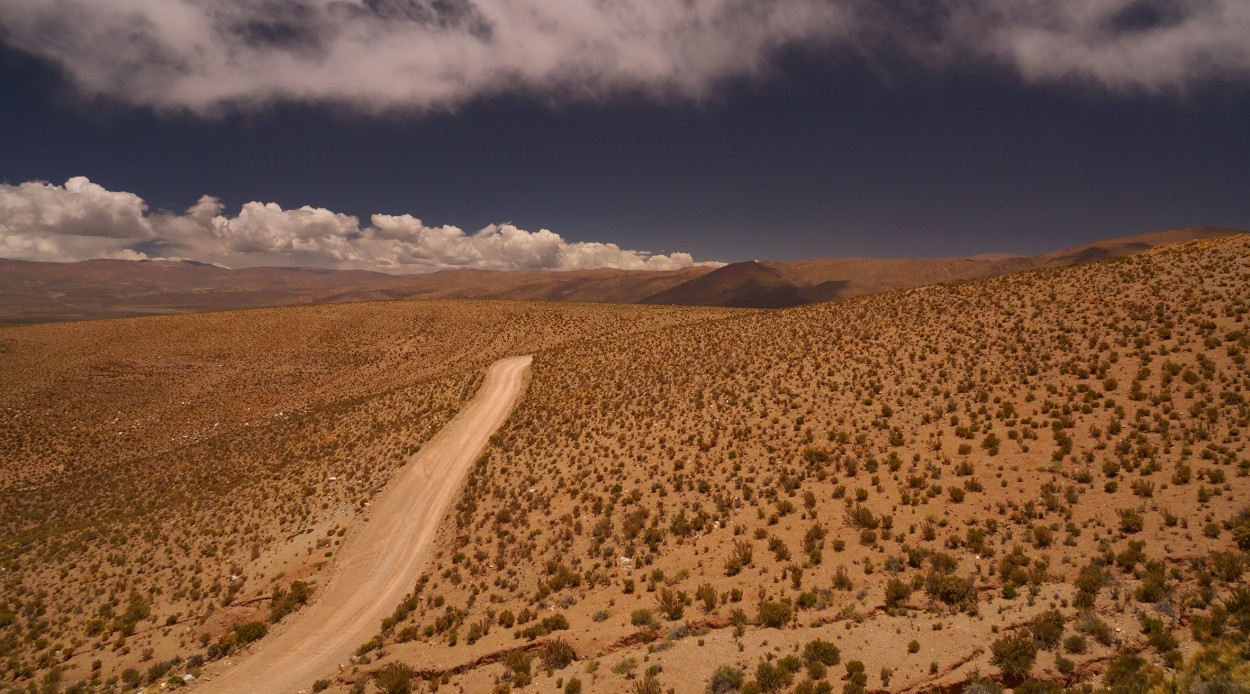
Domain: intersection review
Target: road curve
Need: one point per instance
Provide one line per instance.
(379, 563)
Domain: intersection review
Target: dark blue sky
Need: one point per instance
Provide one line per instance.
(828, 156)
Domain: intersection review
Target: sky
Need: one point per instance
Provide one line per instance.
(418, 135)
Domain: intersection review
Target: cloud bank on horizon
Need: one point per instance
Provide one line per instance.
(211, 56)
(83, 220)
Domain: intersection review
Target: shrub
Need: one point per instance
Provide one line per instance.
(1047, 628)
(772, 677)
(672, 603)
(896, 595)
(240, 635)
(842, 579)
(1127, 673)
(741, 556)
(727, 678)
(856, 675)
(518, 664)
(286, 601)
(1158, 635)
(823, 652)
(1091, 624)
(1066, 666)
(950, 589)
(557, 654)
(395, 678)
(556, 622)
(647, 685)
(775, 614)
(1241, 529)
(1014, 654)
(643, 618)
(372, 644)
(707, 595)
(1130, 521)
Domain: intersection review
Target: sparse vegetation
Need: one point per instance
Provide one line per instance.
(1017, 464)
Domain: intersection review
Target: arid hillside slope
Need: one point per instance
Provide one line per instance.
(32, 292)
(1040, 477)
(1018, 477)
(164, 476)
(781, 284)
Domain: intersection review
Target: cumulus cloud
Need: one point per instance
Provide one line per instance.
(76, 221)
(404, 240)
(81, 220)
(266, 228)
(206, 56)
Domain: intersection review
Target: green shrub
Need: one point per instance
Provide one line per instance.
(556, 622)
(706, 594)
(557, 654)
(1047, 628)
(823, 652)
(1131, 521)
(772, 677)
(775, 614)
(518, 664)
(672, 604)
(896, 595)
(1014, 654)
(240, 635)
(643, 618)
(395, 678)
(285, 601)
(1127, 674)
(647, 685)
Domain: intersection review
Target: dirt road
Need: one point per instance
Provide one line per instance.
(381, 560)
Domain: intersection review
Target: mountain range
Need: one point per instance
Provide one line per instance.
(45, 292)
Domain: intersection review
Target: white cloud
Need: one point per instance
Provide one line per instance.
(376, 55)
(43, 221)
(80, 220)
(266, 228)
(404, 240)
(1150, 45)
(379, 54)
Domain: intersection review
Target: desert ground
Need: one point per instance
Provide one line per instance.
(382, 557)
(1034, 481)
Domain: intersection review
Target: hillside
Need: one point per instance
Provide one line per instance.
(41, 292)
(159, 473)
(33, 292)
(1050, 461)
(778, 284)
(1037, 475)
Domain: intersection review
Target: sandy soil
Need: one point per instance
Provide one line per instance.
(380, 562)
